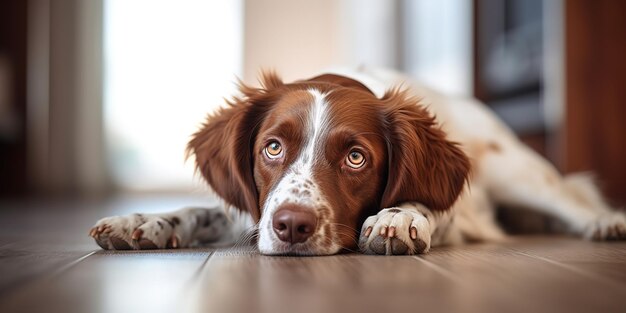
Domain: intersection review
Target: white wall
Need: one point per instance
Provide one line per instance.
(296, 38)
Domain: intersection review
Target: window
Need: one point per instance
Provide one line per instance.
(167, 64)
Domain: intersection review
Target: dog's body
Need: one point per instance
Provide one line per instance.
(311, 160)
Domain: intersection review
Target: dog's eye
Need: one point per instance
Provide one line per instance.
(355, 159)
(274, 150)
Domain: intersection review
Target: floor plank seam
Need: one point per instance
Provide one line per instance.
(192, 288)
(573, 269)
(33, 281)
(200, 269)
(7, 245)
(66, 267)
(439, 270)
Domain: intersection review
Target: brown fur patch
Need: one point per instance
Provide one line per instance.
(494, 147)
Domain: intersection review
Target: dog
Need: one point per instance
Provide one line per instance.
(347, 161)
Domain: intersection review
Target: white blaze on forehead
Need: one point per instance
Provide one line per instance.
(317, 124)
(298, 184)
(299, 176)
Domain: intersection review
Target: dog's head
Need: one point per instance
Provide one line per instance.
(310, 160)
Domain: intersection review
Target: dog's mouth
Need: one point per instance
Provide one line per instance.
(299, 249)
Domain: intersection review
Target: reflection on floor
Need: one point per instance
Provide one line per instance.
(47, 263)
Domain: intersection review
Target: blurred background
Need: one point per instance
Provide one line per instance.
(99, 97)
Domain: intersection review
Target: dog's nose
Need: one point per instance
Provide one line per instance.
(294, 224)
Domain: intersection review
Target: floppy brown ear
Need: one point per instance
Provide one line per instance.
(424, 166)
(223, 146)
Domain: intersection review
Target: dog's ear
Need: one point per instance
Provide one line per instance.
(424, 166)
(223, 146)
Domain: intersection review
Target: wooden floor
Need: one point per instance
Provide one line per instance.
(48, 264)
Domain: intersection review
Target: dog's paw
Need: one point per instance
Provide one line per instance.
(609, 226)
(136, 231)
(395, 231)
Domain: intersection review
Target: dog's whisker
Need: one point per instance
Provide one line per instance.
(349, 236)
(355, 242)
(246, 238)
(344, 225)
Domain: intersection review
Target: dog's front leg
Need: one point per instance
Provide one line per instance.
(178, 229)
(406, 229)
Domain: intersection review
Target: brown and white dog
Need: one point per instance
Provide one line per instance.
(340, 162)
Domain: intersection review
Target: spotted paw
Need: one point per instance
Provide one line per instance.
(609, 226)
(395, 231)
(179, 229)
(136, 231)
